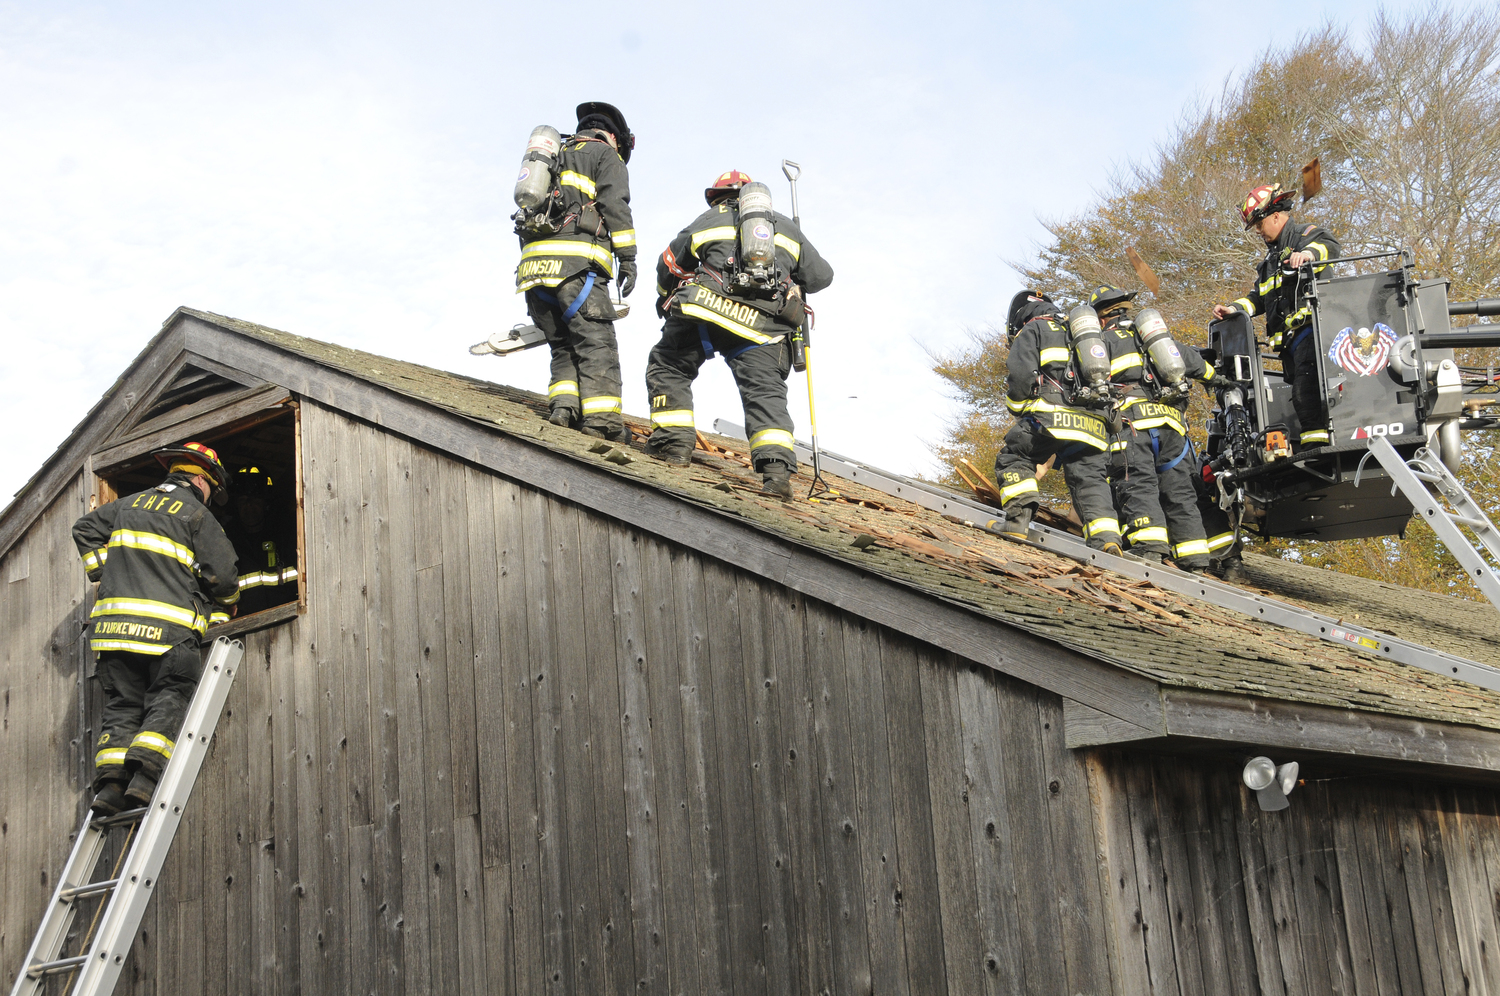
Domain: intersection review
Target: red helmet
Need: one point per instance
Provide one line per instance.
(204, 459)
(1265, 200)
(726, 184)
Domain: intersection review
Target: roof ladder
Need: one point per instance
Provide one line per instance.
(129, 889)
(1199, 586)
(1426, 482)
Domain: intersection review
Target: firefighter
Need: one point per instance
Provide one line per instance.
(1290, 246)
(713, 304)
(1043, 389)
(566, 266)
(1151, 460)
(165, 571)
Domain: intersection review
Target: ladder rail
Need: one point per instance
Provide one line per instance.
(87, 849)
(1411, 479)
(1295, 617)
(138, 877)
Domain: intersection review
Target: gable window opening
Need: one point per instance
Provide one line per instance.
(261, 517)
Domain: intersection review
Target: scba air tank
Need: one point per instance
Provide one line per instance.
(535, 181)
(1166, 355)
(757, 231)
(1088, 345)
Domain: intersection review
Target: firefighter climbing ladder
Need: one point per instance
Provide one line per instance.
(1197, 586)
(1413, 477)
(130, 890)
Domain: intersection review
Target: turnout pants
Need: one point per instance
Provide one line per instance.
(585, 357)
(1216, 524)
(145, 700)
(1154, 487)
(1306, 399)
(760, 372)
(1027, 446)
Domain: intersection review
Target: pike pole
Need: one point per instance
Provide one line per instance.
(802, 344)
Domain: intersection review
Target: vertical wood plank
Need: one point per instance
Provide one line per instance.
(1145, 834)
(612, 846)
(1080, 901)
(647, 915)
(468, 876)
(1470, 884)
(879, 853)
(456, 527)
(957, 894)
(1002, 826)
(674, 826)
(1393, 968)
(1125, 921)
(578, 824)
(1350, 888)
(1431, 913)
(1265, 925)
(409, 823)
(1177, 838)
(520, 750)
(810, 967)
(546, 720)
(917, 901)
(437, 822)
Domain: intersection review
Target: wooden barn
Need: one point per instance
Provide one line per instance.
(537, 719)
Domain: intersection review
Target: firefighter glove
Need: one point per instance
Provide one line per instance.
(627, 277)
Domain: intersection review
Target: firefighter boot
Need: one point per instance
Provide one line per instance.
(1230, 568)
(142, 788)
(674, 452)
(564, 417)
(1018, 520)
(616, 431)
(776, 480)
(109, 800)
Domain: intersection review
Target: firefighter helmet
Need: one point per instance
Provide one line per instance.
(1108, 297)
(1264, 201)
(1025, 306)
(726, 185)
(608, 117)
(199, 460)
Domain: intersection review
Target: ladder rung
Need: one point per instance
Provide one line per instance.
(1478, 525)
(121, 818)
(1427, 478)
(53, 967)
(92, 889)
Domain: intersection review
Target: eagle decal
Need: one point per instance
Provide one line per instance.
(1363, 351)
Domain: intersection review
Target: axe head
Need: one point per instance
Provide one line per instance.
(1312, 180)
(1148, 277)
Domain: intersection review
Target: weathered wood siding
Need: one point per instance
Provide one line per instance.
(514, 747)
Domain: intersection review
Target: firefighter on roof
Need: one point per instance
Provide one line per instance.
(568, 250)
(1059, 413)
(1277, 294)
(733, 282)
(165, 572)
(1151, 460)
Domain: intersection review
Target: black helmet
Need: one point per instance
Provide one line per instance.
(1106, 295)
(598, 114)
(200, 461)
(1025, 306)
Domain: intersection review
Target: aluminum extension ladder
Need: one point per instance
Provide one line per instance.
(1424, 479)
(154, 827)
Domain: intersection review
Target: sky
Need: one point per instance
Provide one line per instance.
(344, 171)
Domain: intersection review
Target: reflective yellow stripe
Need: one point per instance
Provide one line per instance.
(1097, 526)
(1150, 534)
(771, 437)
(1269, 284)
(1244, 305)
(1315, 436)
(674, 417)
(1298, 318)
(214, 618)
(794, 249)
(144, 607)
(1220, 541)
(1055, 354)
(601, 403)
(1026, 487)
(578, 181)
(91, 560)
(1124, 362)
(154, 649)
(1208, 372)
(623, 238)
(727, 324)
(1275, 341)
(662, 291)
(572, 247)
(724, 233)
(1077, 436)
(109, 756)
(1191, 548)
(154, 741)
(1321, 251)
(228, 600)
(1118, 445)
(153, 542)
(562, 388)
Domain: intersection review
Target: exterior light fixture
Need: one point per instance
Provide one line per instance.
(1270, 783)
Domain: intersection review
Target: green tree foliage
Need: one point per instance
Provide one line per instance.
(1407, 130)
